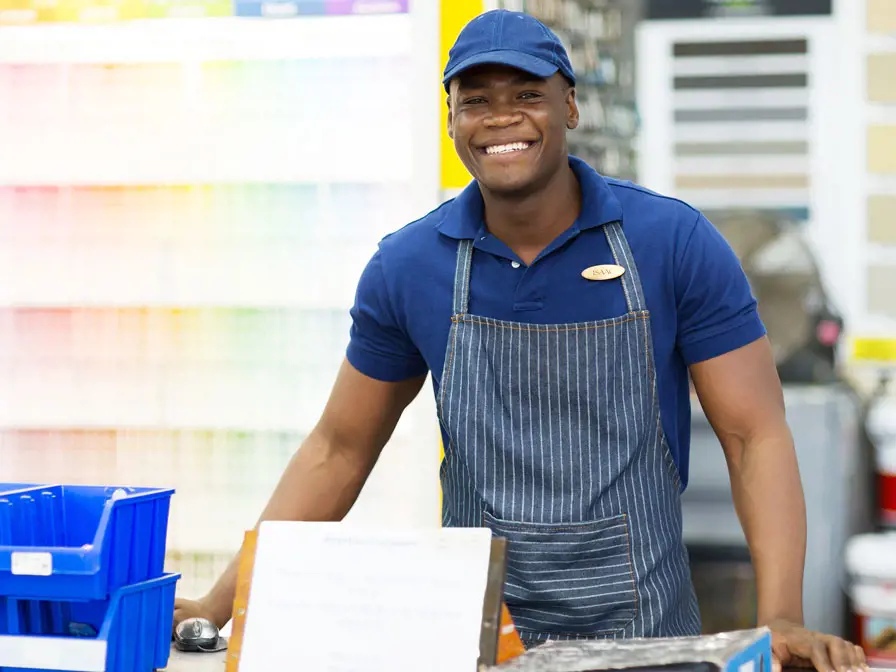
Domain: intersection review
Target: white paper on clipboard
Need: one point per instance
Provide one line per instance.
(336, 598)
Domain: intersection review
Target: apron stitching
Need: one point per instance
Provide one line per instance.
(631, 565)
(613, 248)
(558, 329)
(667, 454)
(445, 376)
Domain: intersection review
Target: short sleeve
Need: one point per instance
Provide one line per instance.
(717, 312)
(379, 347)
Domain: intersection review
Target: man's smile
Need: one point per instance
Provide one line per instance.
(507, 148)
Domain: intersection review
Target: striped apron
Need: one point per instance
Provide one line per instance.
(555, 443)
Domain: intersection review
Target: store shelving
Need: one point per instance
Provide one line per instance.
(599, 37)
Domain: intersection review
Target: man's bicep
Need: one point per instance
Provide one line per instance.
(382, 373)
(740, 393)
(362, 412)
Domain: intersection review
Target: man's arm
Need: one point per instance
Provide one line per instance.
(324, 478)
(723, 341)
(743, 401)
(741, 395)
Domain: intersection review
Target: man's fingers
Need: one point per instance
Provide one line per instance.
(858, 662)
(178, 617)
(843, 655)
(819, 656)
(799, 647)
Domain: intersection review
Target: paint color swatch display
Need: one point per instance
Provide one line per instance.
(252, 245)
(17, 12)
(742, 125)
(293, 121)
(206, 368)
(216, 470)
(211, 214)
(879, 184)
(180, 243)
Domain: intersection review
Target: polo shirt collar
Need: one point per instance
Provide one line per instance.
(599, 205)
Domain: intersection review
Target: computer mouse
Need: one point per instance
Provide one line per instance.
(196, 634)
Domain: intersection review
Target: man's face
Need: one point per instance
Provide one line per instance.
(509, 128)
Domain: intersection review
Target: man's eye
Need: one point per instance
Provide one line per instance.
(474, 101)
(529, 95)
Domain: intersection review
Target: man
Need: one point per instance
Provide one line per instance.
(561, 314)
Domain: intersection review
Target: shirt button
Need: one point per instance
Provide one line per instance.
(515, 264)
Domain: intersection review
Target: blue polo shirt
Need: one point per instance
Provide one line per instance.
(699, 299)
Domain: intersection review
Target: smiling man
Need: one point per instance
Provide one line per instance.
(561, 315)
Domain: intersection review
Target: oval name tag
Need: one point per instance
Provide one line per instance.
(603, 272)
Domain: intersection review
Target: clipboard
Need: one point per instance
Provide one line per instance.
(498, 642)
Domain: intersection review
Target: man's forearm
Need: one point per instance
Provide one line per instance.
(768, 497)
(319, 483)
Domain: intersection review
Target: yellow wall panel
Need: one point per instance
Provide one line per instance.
(882, 78)
(881, 16)
(882, 220)
(881, 297)
(882, 149)
(455, 14)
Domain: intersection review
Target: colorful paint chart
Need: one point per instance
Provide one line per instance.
(230, 471)
(181, 9)
(291, 8)
(93, 11)
(152, 337)
(245, 245)
(331, 214)
(180, 241)
(206, 122)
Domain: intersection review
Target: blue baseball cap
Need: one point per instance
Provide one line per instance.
(514, 39)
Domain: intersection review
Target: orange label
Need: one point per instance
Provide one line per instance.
(510, 645)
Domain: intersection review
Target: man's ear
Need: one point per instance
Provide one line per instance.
(450, 118)
(572, 109)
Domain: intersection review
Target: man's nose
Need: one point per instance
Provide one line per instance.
(502, 116)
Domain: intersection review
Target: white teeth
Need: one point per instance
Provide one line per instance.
(505, 149)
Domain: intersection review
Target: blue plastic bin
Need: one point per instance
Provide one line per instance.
(77, 542)
(130, 632)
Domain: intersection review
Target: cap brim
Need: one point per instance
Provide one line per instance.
(512, 59)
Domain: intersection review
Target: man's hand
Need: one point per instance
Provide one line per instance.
(184, 609)
(794, 646)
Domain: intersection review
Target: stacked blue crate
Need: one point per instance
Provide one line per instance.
(82, 583)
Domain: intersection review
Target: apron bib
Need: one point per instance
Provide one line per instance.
(555, 443)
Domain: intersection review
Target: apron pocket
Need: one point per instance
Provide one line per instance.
(573, 579)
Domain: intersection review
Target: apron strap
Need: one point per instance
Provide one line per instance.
(622, 254)
(462, 276)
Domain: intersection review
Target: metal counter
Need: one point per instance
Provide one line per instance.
(196, 662)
